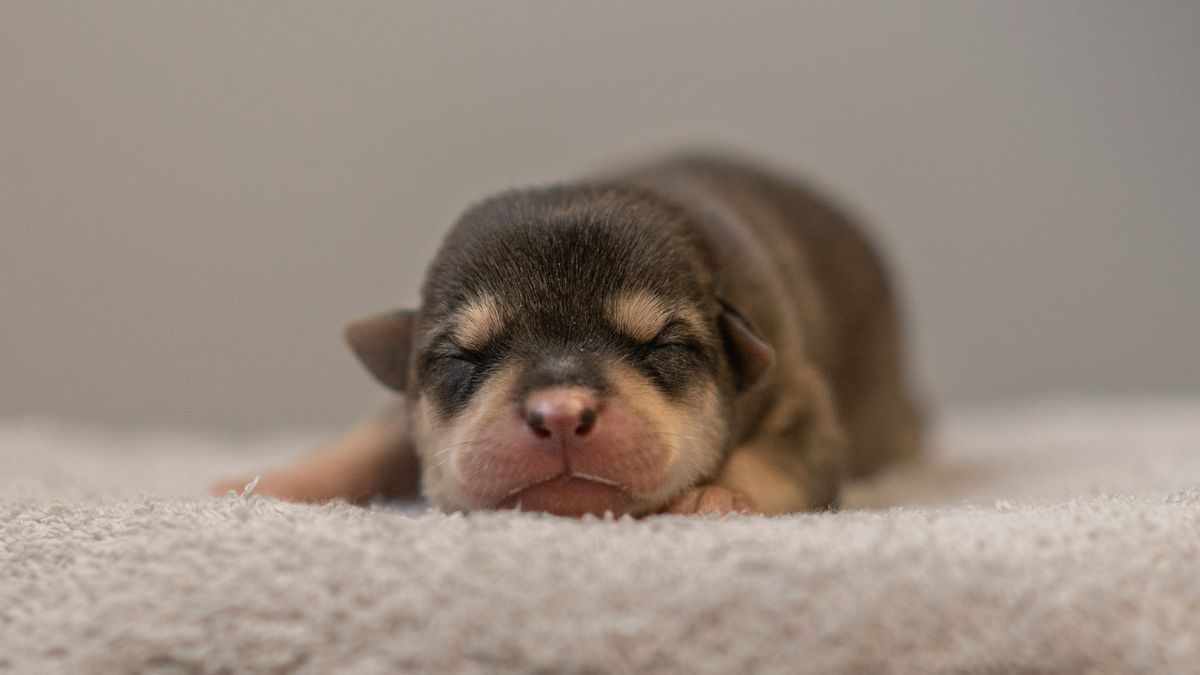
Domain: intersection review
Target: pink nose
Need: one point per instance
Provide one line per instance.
(560, 412)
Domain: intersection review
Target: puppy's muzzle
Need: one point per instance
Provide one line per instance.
(566, 449)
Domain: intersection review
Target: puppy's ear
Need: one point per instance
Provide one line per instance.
(749, 354)
(383, 342)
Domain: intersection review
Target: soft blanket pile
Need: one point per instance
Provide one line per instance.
(1056, 536)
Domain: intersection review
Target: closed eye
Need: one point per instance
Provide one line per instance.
(448, 351)
(690, 345)
(470, 356)
(675, 335)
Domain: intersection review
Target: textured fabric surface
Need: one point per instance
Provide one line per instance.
(1055, 536)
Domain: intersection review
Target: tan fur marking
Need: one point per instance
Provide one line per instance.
(638, 314)
(478, 322)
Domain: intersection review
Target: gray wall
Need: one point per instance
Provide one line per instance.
(195, 196)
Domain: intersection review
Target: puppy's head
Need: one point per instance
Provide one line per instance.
(569, 356)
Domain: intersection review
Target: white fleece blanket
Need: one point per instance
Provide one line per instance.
(1055, 536)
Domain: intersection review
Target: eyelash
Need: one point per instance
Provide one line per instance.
(473, 358)
(659, 342)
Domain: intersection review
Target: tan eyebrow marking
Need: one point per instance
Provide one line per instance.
(478, 322)
(638, 314)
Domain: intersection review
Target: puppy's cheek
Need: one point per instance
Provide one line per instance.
(451, 442)
(702, 431)
(431, 443)
(690, 430)
(438, 450)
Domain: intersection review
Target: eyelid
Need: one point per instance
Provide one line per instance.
(682, 337)
(458, 352)
(451, 350)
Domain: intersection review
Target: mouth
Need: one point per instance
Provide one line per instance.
(570, 494)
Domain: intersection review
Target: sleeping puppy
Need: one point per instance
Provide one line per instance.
(692, 336)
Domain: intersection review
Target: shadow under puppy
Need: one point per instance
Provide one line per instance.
(695, 335)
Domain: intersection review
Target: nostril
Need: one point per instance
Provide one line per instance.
(537, 422)
(587, 420)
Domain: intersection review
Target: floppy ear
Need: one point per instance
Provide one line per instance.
(749, 354)
(382, 342)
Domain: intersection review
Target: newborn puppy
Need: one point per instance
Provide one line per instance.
(692, 336)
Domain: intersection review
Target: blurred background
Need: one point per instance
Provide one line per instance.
(194, 197)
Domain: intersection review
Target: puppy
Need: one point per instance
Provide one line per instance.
(695, 335)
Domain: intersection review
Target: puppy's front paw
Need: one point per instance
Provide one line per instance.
(710, 500)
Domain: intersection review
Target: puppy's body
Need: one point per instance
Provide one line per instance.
(727, 339)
